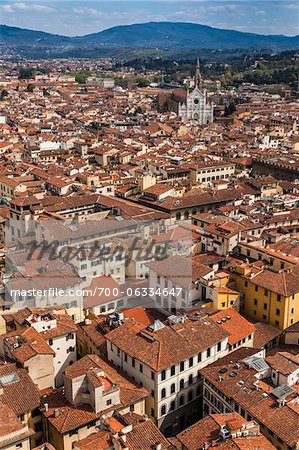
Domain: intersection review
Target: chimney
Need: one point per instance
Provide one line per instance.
(158, 446)
(46, 405)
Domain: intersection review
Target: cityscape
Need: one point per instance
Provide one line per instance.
(149, 225)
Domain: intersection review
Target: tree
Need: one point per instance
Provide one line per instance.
(142, 82)
(81, 77)
(26, 73)
(3, 94)
(30, 87)
(229, 109)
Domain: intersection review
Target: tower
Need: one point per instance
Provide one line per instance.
(197, 78)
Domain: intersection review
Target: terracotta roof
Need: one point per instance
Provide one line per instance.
(28, 397)
(168, 345)
(69, 416)
(237, 326)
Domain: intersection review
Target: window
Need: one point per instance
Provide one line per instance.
(208, 352)
(277, 323)
(219, 347)
(190, 396)
(190, 379)
(182, 366)
(255, 302)
(152, 375)
(50, 341)
(172, 388)
(182, 400)
(132, 408)
(172, 405)
(172, 370)
(133, 362)
(265, 306)
(109, 402)
(163, 375)
(199, 357)
(20, 445)
(278, 297)
(256, 288)
(126, 357)
(277, 311)
(152, 412)
(35, 413)
(38, 427)
(163, 393)
(141, 368)
(246, 283)
(153, 393)
(163, 410)
(190, 362)
(182, 383)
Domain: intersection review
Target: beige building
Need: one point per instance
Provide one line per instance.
(93, 391)
(13, 434)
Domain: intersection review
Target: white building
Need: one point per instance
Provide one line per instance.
(197, 107)
(166, 359)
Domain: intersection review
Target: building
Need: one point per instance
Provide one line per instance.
(166, 359)
(222, 431)
(126, 431)
(19, 393)
(247, 383)
(191, 105)
(93, 390)
(267, 295)
(13, 433)
(58, 332)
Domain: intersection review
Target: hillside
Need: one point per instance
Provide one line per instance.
(152, 35)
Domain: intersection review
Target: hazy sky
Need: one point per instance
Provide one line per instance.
(83, 17)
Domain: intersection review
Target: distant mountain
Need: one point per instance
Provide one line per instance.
(14, 36)
(160, 35)
(186, 35)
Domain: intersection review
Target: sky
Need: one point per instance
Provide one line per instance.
(73, 18)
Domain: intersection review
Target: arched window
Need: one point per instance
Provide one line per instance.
(163, 393)
(163, 375)
(182, 400)
(172, 388)
(190, 396)
(190, 379)
(163, 410)
(182, 382)
(172, 370)
(172, 405)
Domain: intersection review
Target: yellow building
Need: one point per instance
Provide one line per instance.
(267, 295)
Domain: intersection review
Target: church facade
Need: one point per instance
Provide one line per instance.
(191, 104)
